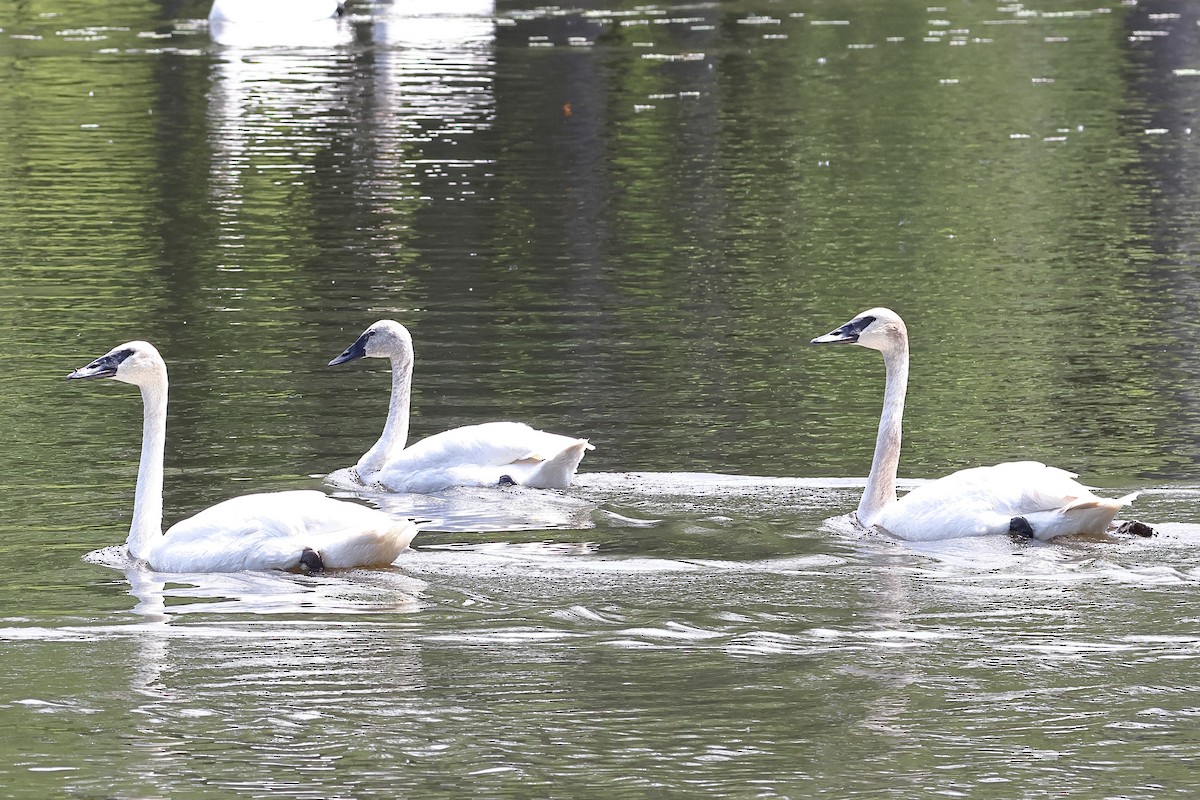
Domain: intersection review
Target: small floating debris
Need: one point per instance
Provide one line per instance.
(1055, 39)
(1041, 80)
(759, 20)
(829, 22)
(862, 46)
(674, 57)
(640, 107)
(948, 81)
(1157, 131)
(1188, 72)
(1019, 136)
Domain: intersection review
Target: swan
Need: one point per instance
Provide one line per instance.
(274, 11)
(1025, 497)
(295, 530)
(474, 455)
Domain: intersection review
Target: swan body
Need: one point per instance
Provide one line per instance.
(294, 530)
(273, 11)
(1026, 497)
(473, 455)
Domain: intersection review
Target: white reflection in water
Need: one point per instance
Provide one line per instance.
(483, 509)
(283, 93)
(163, 596)
(433, 70)
(270, 110)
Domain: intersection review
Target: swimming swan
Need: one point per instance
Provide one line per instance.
(474, 455)
(1022, 496)
(296, 530)
(262, 12)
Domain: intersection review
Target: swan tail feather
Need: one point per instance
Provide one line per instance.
(557, 472)
(1093, 501)
(376, 547)
(1088, 514)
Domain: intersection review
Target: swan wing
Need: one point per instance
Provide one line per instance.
(479, 455)
(272, 530)
(985, 500)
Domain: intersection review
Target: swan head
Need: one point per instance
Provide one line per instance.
(877, 328)
(133, 362)
(385, 339)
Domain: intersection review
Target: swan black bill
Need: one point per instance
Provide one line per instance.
(847, 334)
(356, 350)
(102, 367)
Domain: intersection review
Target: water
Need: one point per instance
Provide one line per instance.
(622, 222)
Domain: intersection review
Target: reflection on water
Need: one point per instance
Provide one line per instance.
(628, 221)
(161, 597)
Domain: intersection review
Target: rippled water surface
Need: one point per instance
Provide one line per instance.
(620, 221)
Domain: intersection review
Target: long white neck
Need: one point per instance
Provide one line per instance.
(395, 431)
(881, 485)
(146, 528)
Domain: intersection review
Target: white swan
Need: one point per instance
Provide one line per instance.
(1025, 497)
(273, 11)
(296, 530)
(474, 455)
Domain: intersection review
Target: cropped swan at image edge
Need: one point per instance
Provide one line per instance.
(273, 11)
(488, 454)
(1024, 497)
(302, 530)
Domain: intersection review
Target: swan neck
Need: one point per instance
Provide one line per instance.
(395, 431)
(146, 529)
(881, 484)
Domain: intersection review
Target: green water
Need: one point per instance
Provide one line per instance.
(623, 222)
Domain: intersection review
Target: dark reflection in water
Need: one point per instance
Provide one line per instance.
(625, 223)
